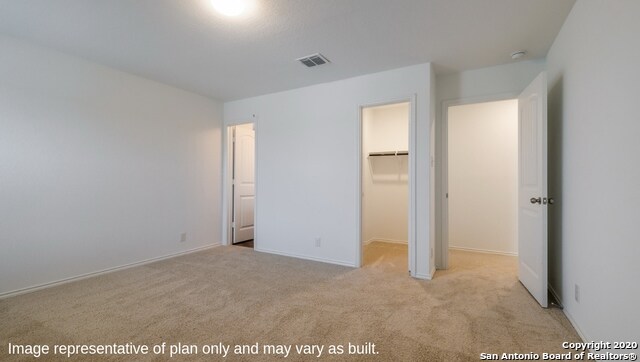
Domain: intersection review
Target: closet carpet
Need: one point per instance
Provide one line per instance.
(236, 295)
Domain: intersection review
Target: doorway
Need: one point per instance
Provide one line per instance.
(477, 137)
(530, 193)
(482, 186)
(241, 178)
(385, 202)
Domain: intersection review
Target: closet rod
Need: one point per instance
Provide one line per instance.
(389, 153)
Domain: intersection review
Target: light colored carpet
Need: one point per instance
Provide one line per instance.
(235, 295)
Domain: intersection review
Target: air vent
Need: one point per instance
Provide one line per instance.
(313, 60)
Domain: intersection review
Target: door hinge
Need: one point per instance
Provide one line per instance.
(233, 224)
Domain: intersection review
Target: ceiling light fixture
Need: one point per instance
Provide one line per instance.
(230, 7)
(519, 54)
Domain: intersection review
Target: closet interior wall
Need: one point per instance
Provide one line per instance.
(385, 187)
(483, 177)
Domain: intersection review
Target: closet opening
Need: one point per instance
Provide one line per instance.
(481, 185)
(385, 169)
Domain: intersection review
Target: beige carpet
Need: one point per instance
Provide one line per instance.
(238, 296)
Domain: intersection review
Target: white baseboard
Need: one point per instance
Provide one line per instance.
(424, 276)
(392, 241)
(306, 257)
(483, 251)
(573, 322)
(575, 325)
(100, 272)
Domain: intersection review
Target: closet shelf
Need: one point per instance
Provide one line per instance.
(388, 153)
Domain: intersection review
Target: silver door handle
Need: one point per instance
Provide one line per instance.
(535, 200)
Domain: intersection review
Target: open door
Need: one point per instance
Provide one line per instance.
(243, 183)
(532, 188)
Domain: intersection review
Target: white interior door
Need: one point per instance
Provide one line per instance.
(532, 188)
(243, 183)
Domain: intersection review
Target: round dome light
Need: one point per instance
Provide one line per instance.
(229, 7)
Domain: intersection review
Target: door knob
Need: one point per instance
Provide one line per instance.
(535, 200)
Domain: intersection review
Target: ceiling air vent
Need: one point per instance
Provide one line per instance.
(313, 60)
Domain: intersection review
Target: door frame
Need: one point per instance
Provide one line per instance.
(411, 177)
(227, 164)
(442, 246)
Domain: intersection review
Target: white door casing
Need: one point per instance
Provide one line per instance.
(243, 183)
(532, 188)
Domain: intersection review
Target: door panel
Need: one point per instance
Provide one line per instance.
(532, 184)
(246, 211)
(244, 184)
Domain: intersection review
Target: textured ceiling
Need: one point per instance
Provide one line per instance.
(186, 44)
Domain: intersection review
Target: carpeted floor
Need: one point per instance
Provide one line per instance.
(234, 295)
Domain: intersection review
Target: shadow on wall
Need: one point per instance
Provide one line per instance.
(554, 139)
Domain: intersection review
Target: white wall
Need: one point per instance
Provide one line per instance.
(385, 202)
(492, 83)
(307, 163)
(500, 79)
(595, 168)
(483, 176)
(99, 168)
